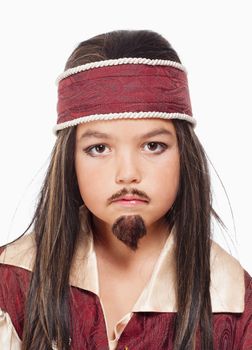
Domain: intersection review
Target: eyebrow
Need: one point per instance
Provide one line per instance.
(97, 134)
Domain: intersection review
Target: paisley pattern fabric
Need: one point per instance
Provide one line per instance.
(145, 330)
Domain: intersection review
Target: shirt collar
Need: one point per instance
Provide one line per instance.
(227, 287)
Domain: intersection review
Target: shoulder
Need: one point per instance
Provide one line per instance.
(20, 253)
(248, 290)
(227, 281)
(15, 260)
(225, 265)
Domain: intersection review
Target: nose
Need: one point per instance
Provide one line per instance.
(127, 169)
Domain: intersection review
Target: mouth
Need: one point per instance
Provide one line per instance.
(130, 202)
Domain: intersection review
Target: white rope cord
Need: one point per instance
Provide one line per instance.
(125, 115)
(117, 61)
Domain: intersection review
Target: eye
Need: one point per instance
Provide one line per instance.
(153, 146)
(99, 148)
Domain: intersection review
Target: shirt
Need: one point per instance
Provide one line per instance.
(230, 285)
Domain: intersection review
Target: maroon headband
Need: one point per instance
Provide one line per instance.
(121, 90)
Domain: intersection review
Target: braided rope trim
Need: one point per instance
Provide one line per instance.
(125, 115)
(118, 61)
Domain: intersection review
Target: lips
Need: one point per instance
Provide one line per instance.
(128, 198)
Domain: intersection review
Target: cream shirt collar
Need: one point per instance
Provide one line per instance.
(227, 278)
(227, 287)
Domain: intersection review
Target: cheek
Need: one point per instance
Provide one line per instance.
(92, 183)
(165, 180)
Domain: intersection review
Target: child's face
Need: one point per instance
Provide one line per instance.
(126, 160)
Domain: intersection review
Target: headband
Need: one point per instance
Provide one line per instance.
(123, 88)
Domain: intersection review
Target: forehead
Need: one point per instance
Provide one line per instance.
(134, 128)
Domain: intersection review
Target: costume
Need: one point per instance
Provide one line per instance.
(129, 88)
(150, 324)
(114, 89)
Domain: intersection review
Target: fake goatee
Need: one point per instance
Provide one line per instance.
(129, 229)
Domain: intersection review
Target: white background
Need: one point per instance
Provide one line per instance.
(213, 40)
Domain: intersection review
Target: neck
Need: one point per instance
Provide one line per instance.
(110, 248)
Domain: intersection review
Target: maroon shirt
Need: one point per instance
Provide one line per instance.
(145, 330)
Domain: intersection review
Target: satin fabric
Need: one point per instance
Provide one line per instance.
(9, 339)
(145, 330)
(230, 295)
(123, 88)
